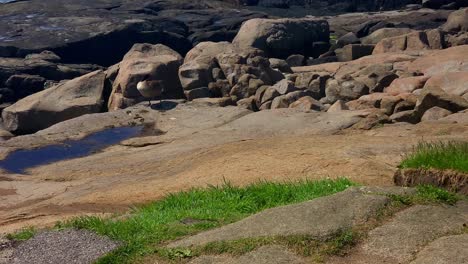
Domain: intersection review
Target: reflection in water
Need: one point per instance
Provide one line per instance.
(20, 160)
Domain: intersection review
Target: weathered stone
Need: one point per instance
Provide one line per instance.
(413, 228)
(347, 90)
(347, 39)
(338, 106)
(354, 51)
(452, 83)
(280, 38)
(284, 87)
(269, 94)
(457, 21)
(83, 95)
(449, 249)
(197, 93)
(454, 59)
(248, 103)
(435, 113)
(406, 85)
(24, 84)
(146, 62)
(370, 121)
(295, 60)
(384, 33)
(307, 103)
(281, 65)
(404, 116)
(44, 55)
(350, 207)
(431, 97)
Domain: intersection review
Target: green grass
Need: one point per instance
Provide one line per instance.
(442, 155)
(428, 194)
(150, 225)
(23, 234)
(303, 245)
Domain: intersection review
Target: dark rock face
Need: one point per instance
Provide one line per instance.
(102, 31)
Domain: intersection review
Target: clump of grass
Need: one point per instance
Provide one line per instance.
(212, 207)
(22, 235)
(427, 194)
(303, 245)
(441, 155)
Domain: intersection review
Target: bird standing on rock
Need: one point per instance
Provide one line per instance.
(151, 89)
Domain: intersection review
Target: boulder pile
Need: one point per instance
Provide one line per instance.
(398, 74)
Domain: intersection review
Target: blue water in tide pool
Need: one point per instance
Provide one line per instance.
(20, 160)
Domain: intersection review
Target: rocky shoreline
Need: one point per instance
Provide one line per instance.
(246, 95)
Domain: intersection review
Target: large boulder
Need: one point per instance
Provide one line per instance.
(441, 61)
(280, 38)
(197, 69)
(457, 21)
(82, 95)
(455, 83)
(146, 62)
(418, 40)
(384, 33)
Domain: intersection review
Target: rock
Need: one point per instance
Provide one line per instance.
(269, 94)
(307, 103)
(265, 106)
(435, 113)
(346, 91)
(313, 82)
(431, 97)
(354, 51)
(408, 103)
(5, 134)
(371, 120)
(457, 21)
(263, 255)
(349, 208)
(246, 86)
(44, 55)
(146, 62)
(388, 103)
(407, 116)
(280, 65)
(197, 93)
(284, 86)
(295, 60)
(448, 60)
(280, 38)
(376, 77)
(319, 48)
(284, 101)
(384, 33)
(338, 106)
(83, 95)
(248, 103)
(199, 63)
(452, 83)
(347, 39)
(449, 249)
(24, 85)
(413, 228)
(406, 85)
(412, 41)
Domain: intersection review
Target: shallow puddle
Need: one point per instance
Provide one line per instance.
(21, 160)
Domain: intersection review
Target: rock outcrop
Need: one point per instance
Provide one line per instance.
(146, 62)
(281, 38)
(83, 95)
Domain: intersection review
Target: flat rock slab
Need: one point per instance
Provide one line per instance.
(319, 218)
(449, 250)
(412, 229)
(68, 246)
(263, 255)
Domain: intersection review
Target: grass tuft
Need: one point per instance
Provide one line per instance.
(164, 220)
(441, 155)
(22, 235)
(427, 194)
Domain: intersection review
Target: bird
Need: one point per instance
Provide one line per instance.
(150, 89)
